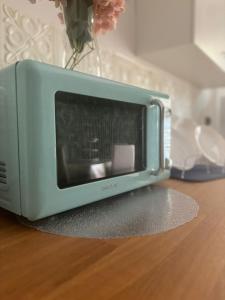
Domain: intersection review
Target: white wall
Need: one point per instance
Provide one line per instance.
(210, 26)
(122, 40)
(167, 28)
(44, 9)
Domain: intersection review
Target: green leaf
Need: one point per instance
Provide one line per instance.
(78, 18)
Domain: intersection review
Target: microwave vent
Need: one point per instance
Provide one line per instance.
(3, 173)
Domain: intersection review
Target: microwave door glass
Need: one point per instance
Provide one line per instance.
(98, 138)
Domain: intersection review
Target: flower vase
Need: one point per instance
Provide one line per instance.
(78, 18)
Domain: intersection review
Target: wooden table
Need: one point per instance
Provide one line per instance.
(185, 263)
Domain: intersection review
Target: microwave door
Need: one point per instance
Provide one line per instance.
(98, 138)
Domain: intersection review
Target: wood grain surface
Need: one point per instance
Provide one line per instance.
(186, 263)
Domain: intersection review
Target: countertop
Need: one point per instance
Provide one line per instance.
(184, 263)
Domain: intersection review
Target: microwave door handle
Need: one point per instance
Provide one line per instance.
(159, 104)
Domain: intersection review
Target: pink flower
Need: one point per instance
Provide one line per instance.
(106, 14)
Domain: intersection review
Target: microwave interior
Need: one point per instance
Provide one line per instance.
(97, 138)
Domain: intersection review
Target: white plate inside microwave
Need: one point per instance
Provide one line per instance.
(211, 144)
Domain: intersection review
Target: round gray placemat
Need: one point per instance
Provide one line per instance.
(141, 212)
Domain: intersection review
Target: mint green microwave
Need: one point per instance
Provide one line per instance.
(68, 139)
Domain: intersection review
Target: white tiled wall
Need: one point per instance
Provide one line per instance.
(26, 37)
